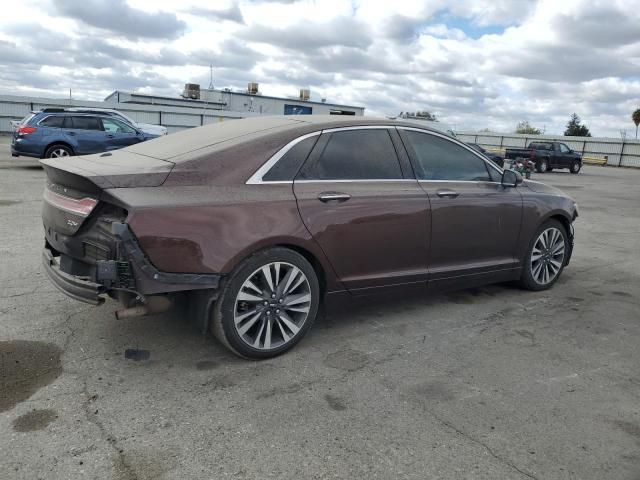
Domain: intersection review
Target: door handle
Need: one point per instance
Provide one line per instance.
(333, 196)
(71, 133)
(447, 194)
(110, 136)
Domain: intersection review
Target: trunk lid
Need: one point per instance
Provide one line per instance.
(117, 169)
(75, 186)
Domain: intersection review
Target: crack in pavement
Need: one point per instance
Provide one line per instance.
(124, 471)
(482, 444)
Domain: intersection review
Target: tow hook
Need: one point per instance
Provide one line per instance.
(153, 304)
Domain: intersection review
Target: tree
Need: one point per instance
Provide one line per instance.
(525, 127)
(635, 116)
(575, 128)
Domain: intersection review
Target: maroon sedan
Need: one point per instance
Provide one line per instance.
(258, 220)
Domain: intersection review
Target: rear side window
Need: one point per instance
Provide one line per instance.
(53, 121)
(541, 146)
(356, 155)
(437, 158)
(287, 167)
(86, 123)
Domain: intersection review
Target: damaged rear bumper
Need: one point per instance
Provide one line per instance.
(78, 288)
(130, 272)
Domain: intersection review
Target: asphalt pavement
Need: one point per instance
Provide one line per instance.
(489, 383)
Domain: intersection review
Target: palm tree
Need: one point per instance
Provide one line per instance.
(635, 116)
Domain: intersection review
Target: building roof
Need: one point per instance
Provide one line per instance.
(200, 102)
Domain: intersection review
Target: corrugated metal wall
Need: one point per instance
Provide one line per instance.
(617, 152)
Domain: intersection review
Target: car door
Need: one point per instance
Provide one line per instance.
(565, 156)
(118, 134)
(85, 134)
(371, 220)
(475, 221)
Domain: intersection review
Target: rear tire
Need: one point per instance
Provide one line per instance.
(542, 165)
(267, 304)
(575, 166)
(545, 257)
(58, 151)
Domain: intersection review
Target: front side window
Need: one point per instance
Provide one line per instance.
(116, 126)
(437, 158)
(564, 148)
(362, 154)
(86, 123)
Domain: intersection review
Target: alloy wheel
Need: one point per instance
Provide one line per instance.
(272, 305)
(59, 152)
(547, 256)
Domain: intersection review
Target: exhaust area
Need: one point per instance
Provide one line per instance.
(154, 304)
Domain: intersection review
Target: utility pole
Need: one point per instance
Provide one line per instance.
(211, 76)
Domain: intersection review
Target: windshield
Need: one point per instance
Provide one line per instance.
(125, 117)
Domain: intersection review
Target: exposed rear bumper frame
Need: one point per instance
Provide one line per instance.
(78, 288)
(131, 272)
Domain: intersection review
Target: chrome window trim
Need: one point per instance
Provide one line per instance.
(360, 180)
(256, 178)
(460, 181)
(358, 127)
(463, 145)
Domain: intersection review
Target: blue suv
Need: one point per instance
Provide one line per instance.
(59, 133)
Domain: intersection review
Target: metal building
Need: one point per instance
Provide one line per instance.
(250, 101)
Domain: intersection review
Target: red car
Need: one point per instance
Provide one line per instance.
(258, 220)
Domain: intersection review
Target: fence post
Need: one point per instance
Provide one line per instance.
(476, 139)
(584, 145)
(621, 154)
(160, 117)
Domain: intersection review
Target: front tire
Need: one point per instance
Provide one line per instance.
(575, 166)
(267, 304)
(546, 256)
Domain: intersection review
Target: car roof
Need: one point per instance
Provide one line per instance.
(224, 134)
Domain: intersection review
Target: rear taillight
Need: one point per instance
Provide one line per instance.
(22, 130)
(77, 206)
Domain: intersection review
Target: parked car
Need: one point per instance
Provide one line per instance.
(258, 220)
(547, 156)
(148, 128)
(48, 134)
(495, 158)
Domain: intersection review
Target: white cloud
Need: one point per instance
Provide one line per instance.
(476, 63)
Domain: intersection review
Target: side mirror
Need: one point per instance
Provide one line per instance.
(511, 178)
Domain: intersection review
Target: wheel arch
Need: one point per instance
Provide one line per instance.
(326, 276)
(58, 142)
(559, 216)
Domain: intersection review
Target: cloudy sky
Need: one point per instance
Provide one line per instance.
(475, 63)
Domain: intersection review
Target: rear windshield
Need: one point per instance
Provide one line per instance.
(27, 119)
